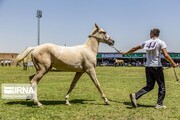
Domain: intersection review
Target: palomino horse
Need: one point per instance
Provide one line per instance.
(118, 62)
(80, 59)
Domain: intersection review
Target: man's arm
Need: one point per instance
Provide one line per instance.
(132, 50)
(168, 58)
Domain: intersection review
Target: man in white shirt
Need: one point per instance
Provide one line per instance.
(154, 70)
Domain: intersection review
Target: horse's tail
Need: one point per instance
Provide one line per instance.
(24, 54)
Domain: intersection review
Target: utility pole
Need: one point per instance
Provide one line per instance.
(39, 15)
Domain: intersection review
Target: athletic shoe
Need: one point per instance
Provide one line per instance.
(160, 107)
(133, 100)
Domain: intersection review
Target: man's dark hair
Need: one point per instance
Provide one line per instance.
(155, 31)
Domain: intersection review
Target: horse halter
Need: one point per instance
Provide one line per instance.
(93, 36)
(107, 40)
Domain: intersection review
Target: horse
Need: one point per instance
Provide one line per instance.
(118, 62)
(80, 59)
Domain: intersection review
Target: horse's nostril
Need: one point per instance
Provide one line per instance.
(113, 41)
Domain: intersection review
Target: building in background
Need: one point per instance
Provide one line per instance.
(134, 59)
(8, 59)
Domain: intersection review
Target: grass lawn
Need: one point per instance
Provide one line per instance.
(86, 103)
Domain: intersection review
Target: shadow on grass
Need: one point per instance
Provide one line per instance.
(129, 105)
(48, 102)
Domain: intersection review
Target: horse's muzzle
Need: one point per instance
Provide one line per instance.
(111, 42)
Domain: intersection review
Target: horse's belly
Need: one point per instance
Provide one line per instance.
(76, 67)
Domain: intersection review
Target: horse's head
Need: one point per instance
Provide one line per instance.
(101, 35)
(114, 59)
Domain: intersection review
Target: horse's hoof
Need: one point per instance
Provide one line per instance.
(107, 103)
(40, 106)
(67, 103)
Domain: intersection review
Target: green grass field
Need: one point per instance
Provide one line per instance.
(86, 103)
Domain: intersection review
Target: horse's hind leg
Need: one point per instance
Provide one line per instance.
(31, 96)
(34, 81)
(40, 71)
(92, 74)
(73, 84)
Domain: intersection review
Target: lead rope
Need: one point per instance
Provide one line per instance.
(116, 49)
(126, 54)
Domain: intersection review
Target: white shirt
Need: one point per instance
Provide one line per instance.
(153, 49)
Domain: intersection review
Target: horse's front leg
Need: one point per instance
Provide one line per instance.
(92, 74)
(73, 84)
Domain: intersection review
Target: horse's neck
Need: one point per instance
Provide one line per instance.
(93, 44)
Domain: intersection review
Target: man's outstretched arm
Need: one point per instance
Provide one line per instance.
(132, 50)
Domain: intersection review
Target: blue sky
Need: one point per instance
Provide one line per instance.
(69, 22)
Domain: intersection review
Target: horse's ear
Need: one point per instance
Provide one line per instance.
(96, 26)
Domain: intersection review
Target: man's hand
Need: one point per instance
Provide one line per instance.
(123, 52)
(174, 65)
